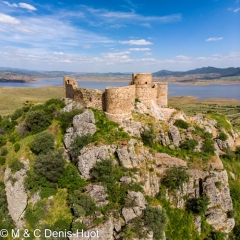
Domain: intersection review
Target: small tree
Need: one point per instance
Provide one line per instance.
(42, 143)
(181, 124)
(198, 205)
(50, 165)
(189, 144)
(148, 136)
(175, 177)
(222, 136)
(155, 219)
(37, 121)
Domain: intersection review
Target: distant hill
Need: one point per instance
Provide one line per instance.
(220, 72)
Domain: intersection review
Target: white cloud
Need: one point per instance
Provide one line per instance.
(117, 25)
(9, 4)
(214, 39)
(8, 19)
(58, 53)
(27, 6)
(136, 42)
(21, 5)
(139, 49)
(236, 10)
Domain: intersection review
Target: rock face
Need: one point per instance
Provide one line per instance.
(83, 124)
(102, 232)
(163, 139)
(174, 135)
(97, 192)
(222, 144)
(137, 204)
(128, 157)
(132, 128)
(213, 184)
(16, 193)
(71, 105)
(90, 155)
(152, 110)
(166, 160)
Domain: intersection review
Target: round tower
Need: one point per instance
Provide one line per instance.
(162, 94)
(119, 102)
(145, 90)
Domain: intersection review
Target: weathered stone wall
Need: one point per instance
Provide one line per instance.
(119, 102)
(90, 98)
(141, 79)
(162, 94)
(69, 86)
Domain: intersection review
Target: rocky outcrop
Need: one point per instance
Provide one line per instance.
(174, 135)
(222, 144)
(163, 139)
(136, 204)
(132, 128)
(128, 157)
(90, 155)
(165, 160)
(98, 194)
(71, 105)
(153, 110)
(16, 193)
(83, 124)
(213, 184)
(101, 232)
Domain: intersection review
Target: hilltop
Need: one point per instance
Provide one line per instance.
(160, 175)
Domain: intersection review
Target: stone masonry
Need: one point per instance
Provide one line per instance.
(117, 101)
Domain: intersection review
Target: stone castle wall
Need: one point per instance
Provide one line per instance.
(117, 102)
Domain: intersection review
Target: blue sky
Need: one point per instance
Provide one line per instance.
(119, 36)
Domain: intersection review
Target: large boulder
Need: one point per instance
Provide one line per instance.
(83, 124)
(98, 194)
(174, 135)
(16, 193)
(90, 155)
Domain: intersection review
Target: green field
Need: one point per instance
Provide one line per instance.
(13, 98)
(191, 106)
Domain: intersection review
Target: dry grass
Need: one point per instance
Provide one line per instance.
(14, 98)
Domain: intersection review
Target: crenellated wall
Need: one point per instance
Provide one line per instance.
(117, 102)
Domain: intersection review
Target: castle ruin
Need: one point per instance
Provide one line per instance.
(117, 102)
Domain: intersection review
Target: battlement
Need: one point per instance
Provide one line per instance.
(117, 102)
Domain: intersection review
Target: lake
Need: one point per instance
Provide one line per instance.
(202, 92)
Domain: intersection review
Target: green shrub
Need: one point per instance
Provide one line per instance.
(50, 165)
(2, 160)
(175, 177)
(78, 226)
(77, 144)
(14, 137)
(77, 198)
(34, 182)
(208, 146)
(4, 152)
(198, 205)
(37, 121)
(35, 213)
(16, 147)
(155, 219)
(42, 143)
(181, 124)
(3, 140)
(17, 114)
(47, 192)
(148, 136)
(189, 144)
(15, 165)
(71, 179)
(6, 221)
(222, 136)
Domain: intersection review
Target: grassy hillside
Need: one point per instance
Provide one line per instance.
(13, 98)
